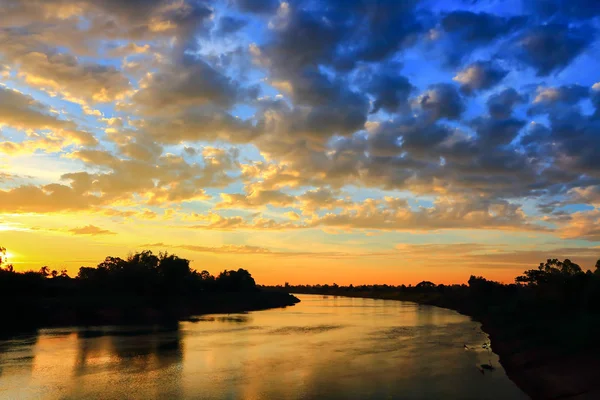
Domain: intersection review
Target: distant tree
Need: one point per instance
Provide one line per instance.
(174, 272)
(425, 285)
(236, 281)
(45, 271)
(206, 276)
(112, 264)
(144, 260)
(569, 268)
(8, 267)
(54, 273)
(89, 273)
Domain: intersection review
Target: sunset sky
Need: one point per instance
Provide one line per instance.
(346, 141)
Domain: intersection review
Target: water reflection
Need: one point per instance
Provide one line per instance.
(321, 348)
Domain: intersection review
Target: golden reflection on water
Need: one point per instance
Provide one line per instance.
(321, 348)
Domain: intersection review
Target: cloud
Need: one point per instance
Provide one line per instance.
(65, 74)
(23, 111)
(91, 230)
(192, 83)
(467, 31)
(7, 177)
(390, 90)
(565, 9)
(500, 105)
(480, 75)
(549, 99)
(388, 214)
(497, 132)
(442, 101)
(479, 27)
(228, 25)
(550, 48)
(259, 7)
(333, 116)
(45, 199)
(255, 198)
(446, 214)
(495, 256)
(231, 249)
(159, 180)
(194, 124)
(582, 225)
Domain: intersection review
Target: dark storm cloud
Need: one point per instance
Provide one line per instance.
(550, 48)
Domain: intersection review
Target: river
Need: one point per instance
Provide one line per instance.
(322, 348)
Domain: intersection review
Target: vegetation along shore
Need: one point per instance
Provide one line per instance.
(143, 288)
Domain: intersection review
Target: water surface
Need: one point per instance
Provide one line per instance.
(324, 347)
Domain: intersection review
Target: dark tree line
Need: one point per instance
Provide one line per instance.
(140, 274)
(142, 288)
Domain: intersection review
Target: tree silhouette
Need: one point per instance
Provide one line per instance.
(235, 281)
(45, 271)
(552, 270)
(425, 285)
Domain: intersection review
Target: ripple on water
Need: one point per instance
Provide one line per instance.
(290, 330)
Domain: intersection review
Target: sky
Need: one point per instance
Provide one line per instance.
(346, 141)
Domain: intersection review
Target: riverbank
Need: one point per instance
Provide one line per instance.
(25, 314)
(542, 372)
